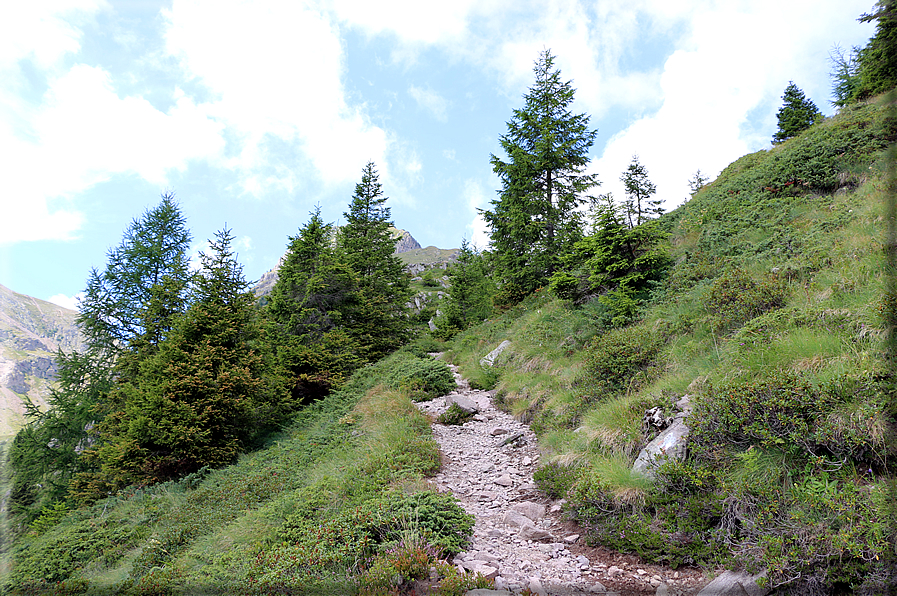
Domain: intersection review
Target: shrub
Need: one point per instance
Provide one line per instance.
(622, 359)
(556, 479)
(734, 298)
(423, 378)
(770, 412)
(455, 415)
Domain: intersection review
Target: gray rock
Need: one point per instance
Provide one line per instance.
(530, 532)
(670, 444)
(489, 359)
(734, 583)
(515, 519)
(533, 511)
(487, 592)
(504, 480)
(463, 402)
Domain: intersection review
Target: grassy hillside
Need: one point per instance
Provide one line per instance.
(771, 320)
(336, 504)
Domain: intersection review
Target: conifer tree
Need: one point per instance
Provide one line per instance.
(200, 399)
(638, 205)
(797, 114)
(469, 297)
(306, 310)
(128, 310)
(878, 59)
(379, 320)
(535, 220)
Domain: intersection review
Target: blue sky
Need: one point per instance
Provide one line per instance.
(254, 112)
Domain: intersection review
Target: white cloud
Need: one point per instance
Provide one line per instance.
(411, 20)
(42, 32)
(275, 72)
(720, 74)
(82, 133)
(475, 199)
(69, 302)
(430, 101)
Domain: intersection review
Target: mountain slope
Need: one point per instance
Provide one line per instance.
(31, 332)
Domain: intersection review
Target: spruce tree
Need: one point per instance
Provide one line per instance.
(306, 310)
(469, 298)
(535, 220)
(378, 321)
(638, 205)
(797, 114)
(200, 399)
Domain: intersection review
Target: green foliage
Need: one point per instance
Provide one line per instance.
(315, 290)
(66, 549)
(877, 61)
(535, 221)
(622, 360)
(556, 479)
(734, 298)
(49, 517)
(423, 378)
(469, 297)
(378, 320)
(796, 115)
(638, 206)
(768, 412)
(455, 415)
(617, 263)
(199, 400)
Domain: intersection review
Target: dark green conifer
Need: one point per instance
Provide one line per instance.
(535, 220)
(378, 321)
(797, 114)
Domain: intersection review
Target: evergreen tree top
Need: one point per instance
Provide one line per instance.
(797, 114)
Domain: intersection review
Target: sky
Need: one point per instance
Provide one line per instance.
(253, 113)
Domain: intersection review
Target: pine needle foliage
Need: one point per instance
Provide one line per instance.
(535, 220)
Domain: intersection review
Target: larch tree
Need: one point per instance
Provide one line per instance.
(535, 219)
(127, 311)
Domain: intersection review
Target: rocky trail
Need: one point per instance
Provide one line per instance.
(520, 537)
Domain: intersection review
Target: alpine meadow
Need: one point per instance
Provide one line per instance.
(209, 439)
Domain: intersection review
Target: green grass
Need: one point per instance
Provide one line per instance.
(223, 531)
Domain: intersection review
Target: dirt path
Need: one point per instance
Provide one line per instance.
(520, 537)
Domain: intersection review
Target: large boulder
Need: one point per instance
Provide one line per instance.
(668, 445)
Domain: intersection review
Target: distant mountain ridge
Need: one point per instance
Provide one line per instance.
(408, 249)
(31, 332)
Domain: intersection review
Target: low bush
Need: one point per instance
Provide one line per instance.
(455, 415)
(622, 360)
(734, 298)
(423, 378)
(556, 479)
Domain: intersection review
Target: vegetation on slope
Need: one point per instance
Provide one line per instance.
(771, 318)
(337, 503)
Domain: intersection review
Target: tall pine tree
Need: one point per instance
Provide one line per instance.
(379, 320)
(535, 221)
(307, 308)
